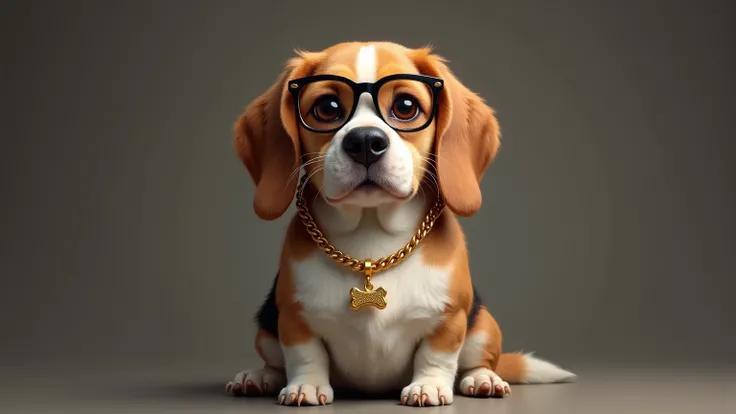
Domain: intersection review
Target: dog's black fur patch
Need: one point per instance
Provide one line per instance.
(267, 317)
(477, 303)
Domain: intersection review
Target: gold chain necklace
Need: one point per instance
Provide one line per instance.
(366, 297)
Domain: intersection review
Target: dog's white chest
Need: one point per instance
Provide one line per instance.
(370, 347)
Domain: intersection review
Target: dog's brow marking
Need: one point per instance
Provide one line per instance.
(366, 64)
(366, 69)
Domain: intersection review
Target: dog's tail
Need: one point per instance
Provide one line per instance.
(521, 368)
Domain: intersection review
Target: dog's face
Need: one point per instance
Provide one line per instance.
(368, 158)
(367, 130)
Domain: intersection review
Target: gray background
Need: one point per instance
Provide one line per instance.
(128, 239)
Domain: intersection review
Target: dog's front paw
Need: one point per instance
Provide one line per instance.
(482, 382)
(306, 394)
(262, 381)
(427, 392)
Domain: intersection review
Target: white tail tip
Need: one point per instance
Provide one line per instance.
(539, 371)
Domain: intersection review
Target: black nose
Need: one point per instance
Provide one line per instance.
(365, 145)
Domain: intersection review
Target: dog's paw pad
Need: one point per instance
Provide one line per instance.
(262, 381)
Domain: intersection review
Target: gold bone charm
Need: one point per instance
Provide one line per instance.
(368, 297)
(361, 298)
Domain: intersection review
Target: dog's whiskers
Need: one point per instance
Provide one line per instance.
(433, 162)
(309, 177)
(305, 165)
(432, 179)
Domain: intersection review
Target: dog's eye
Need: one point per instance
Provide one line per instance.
(405, 108)
(327, 109)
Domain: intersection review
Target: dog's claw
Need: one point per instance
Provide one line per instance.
(322, 399)
(254, 382)
(428, 392)
(484, 383)
(282, 399)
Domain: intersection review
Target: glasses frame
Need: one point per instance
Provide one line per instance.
(359, 88)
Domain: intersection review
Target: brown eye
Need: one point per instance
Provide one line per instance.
(405, 108)
(327, 109)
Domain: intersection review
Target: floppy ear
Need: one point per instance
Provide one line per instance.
(267, 142)
(467, 137)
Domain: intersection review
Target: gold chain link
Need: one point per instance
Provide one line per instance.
(359, 265)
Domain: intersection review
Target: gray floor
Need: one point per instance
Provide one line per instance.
(127, 231)
(166, 389)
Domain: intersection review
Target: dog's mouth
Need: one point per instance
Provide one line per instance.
(370, 190)
(368, 185)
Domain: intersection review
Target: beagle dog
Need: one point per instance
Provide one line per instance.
(384, 134)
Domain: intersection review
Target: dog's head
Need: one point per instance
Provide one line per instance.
(370, 123)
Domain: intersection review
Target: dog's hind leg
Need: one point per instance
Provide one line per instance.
(261, 381)
(479, 359)
(271, 378)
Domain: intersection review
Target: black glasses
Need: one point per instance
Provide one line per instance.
(406, 102)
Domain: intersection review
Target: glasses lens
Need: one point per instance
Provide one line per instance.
(325, 105)
(405, 104)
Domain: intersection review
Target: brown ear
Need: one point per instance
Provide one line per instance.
(467, 137)
(267, 141)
